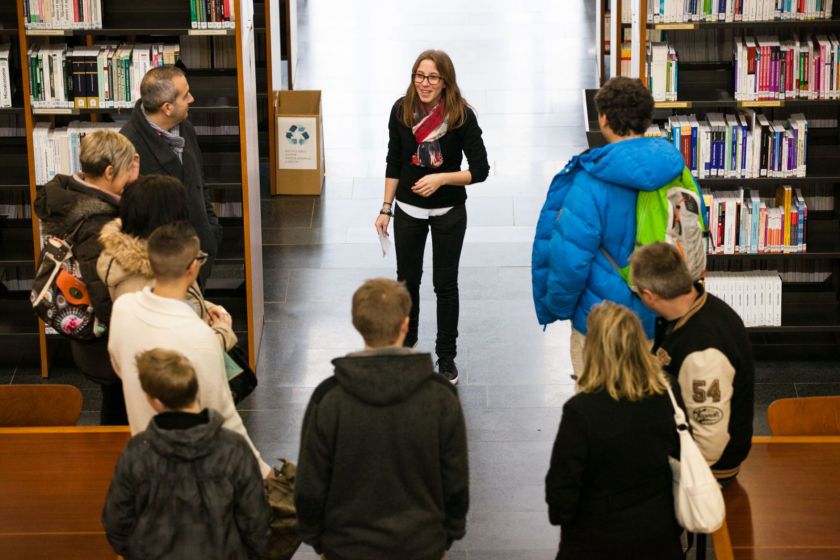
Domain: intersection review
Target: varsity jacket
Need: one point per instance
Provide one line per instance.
(708, 352)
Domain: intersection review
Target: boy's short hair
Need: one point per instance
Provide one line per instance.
(380, 307)
(627, 104)
(172, 248)
(168, 376)
(660, 268)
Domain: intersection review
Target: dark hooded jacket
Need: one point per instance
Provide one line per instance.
(383, 461)
(62, 204)
(187, 488)
(157, 158)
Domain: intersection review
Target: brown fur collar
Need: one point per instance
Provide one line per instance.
(130, 252)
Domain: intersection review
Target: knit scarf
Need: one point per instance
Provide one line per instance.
(427, 132)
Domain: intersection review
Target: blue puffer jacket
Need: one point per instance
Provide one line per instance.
(590, 203)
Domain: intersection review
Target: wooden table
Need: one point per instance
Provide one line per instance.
(53, 483)
(785, 503)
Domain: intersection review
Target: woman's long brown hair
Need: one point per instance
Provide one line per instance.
(456, 105)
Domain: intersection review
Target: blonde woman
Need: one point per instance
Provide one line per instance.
(88, 200)
(609, 483)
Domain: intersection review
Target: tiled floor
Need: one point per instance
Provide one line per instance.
(522, 66)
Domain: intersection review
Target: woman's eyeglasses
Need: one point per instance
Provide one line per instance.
(433, 79)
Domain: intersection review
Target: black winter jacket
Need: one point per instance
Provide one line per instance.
(187, 488)
(61, 204)
(383, 461)
(609, 483)
(157, 157)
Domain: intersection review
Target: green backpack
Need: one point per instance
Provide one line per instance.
(673, 214)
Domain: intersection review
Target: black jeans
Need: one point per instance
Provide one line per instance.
(113, 411)
(447, 241)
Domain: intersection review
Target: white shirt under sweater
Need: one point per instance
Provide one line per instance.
(143, 321)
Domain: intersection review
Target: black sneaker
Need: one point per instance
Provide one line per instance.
(448, 369)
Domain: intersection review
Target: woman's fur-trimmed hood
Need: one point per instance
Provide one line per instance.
(130, 252)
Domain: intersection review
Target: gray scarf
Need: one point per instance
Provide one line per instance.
(172, 137)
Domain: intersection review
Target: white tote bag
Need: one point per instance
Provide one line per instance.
(698, 501)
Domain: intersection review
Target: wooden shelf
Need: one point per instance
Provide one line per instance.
(230, 91)
(820, 24)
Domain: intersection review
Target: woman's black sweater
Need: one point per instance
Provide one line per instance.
(465, 139)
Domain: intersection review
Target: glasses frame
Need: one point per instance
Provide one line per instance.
(423, 77)
(201, 257)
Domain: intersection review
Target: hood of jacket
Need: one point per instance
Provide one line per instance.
(130, 252)
(189, 444)
(643, 164)
(63, 202)
(385, 377)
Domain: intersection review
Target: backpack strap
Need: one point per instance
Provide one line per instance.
(623, 272)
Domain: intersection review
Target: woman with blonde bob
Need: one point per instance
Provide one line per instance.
(609, 483)
(83, 203)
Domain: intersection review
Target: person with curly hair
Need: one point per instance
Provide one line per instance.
(589, 216)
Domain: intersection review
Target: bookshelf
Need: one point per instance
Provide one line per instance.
(811, 301)
(226, 99)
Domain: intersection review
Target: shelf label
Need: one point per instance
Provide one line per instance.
(672, 104)
(48, 32)
(675, 26)
(227, 31)
(297, 145)
(54, 111)
(766, 103)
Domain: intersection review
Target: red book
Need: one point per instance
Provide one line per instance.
(227, 10)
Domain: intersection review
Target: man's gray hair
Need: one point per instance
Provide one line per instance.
(157, 87)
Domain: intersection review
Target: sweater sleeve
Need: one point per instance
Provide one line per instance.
(473, 146)
(118, 514)
(313, 476)
(455, 471)
(216, 395)
(564, 480)
(393, 161)
(706, 383)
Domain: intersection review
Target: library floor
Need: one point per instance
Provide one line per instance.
(522, 66)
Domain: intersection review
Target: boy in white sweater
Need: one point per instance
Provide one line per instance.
(160, 317)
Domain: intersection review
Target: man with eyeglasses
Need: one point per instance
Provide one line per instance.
(160, 317)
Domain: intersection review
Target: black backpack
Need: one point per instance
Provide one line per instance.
(59, 294)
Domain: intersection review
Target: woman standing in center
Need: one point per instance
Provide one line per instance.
(430, 128)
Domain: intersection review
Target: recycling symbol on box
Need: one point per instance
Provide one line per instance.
(297, 135)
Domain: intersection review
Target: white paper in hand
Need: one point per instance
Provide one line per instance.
(385, 243)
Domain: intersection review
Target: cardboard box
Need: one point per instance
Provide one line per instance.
(300, 144)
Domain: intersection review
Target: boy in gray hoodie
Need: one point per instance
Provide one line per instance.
(383, 455)
(185, 487)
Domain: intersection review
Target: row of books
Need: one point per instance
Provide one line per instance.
(212, 14)
(227, 203)
(745, 145)
(6, 85)
(14, 205)
(12, 125)
(741, 222)
(62, 14)
(215, 124)
(662, 64)
(767, 68)
(56, 150)
(17, 279)
(92, 77)
(208, 52)
(756, 296)
(678, 11)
